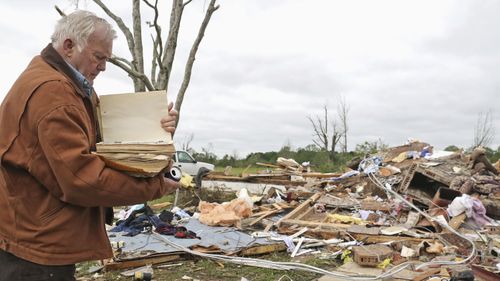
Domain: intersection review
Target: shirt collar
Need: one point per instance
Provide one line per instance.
(82, 80)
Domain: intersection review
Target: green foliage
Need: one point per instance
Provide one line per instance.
(370, 147)
(452, 148)
(493, 155)
(264, 157)
(204, 156)
(227, 160)
(286, 151)
(320, 160)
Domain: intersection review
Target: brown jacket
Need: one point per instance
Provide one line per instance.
(53, 191)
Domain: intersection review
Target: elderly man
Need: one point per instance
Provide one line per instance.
(54, 192)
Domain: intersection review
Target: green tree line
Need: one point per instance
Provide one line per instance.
(319, 159)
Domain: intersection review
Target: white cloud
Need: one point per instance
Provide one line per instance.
(421, 69)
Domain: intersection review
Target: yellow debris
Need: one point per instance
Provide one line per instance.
(344, 219)
(385, 263)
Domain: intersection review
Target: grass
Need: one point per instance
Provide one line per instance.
(211, 270)
(167, 198)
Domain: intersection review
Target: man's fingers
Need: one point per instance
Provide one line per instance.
(168, 122)
(169, 129)
(173, 112)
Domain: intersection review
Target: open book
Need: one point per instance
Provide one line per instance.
(133, 139)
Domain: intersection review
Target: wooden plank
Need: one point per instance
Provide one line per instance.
(456, 222)
(408, 177)
(161, 205)
(304, 214)
(284, 205)
(224, 177)
(285, 182)
(484, 274)
(267, 165)
(320, 175)
(361, 229)
(374, 239)
(317, 233)
(258, 214)
(141, 262)
(375, 206)
(301, 208)
(263, 249)
(435, 174)
(426, 274)
(313, 224)
(277, 206)
(268, 227)
(263, 216)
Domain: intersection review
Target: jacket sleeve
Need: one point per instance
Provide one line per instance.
(79, 177)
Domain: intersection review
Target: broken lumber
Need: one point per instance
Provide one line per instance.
(141, 262)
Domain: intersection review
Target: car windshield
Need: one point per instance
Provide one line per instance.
(184, 157)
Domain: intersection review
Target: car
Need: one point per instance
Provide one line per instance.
(184, 161)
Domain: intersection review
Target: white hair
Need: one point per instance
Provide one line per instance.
(78, 26)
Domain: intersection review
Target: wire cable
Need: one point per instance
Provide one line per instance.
(304, 267)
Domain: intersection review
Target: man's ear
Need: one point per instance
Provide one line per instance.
(68, 47)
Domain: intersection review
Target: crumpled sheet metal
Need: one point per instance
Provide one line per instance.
(225, 238)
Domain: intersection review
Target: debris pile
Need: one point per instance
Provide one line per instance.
(409, 212)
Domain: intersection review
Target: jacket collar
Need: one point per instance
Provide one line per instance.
(53, 58)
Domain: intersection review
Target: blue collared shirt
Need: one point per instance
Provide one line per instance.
(82, 80)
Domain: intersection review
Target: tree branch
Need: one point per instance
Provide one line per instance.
(154, 63)
(343, 111)
(322, 139)
(61, 13)
(171, 45)
(157, 43)
(132, 73)
(128, 35)
(484, 130)
(192, 54)
(120, 59)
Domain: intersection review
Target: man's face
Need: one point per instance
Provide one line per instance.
(92, 59)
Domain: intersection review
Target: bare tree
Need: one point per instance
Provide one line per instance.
(163, 51)
(186, 145)
(207, 152)
(343, 112)
(322, 138)
(484, 131)
(234, 155)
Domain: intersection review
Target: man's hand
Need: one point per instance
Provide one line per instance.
(168, 122)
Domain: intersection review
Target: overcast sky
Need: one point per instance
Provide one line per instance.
(407, 69)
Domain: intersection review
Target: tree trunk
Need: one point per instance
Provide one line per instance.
(138, 62)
